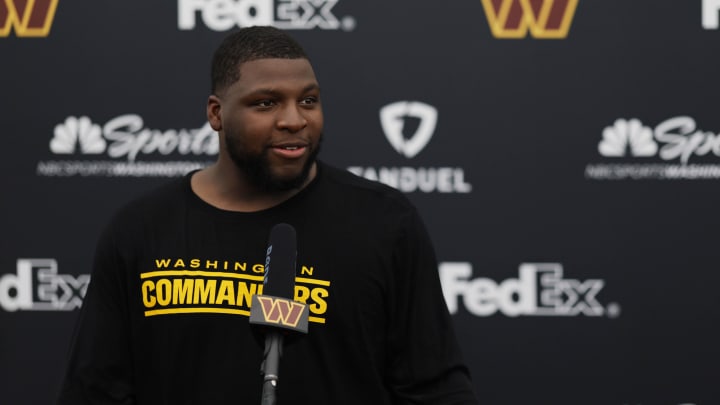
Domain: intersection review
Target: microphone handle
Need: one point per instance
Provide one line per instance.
(268, 393)
(271, 366)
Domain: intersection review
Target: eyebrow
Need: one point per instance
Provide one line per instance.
(271, 91)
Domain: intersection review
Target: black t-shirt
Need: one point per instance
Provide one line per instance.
(165, 318)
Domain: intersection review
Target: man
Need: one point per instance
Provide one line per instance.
(165, 319)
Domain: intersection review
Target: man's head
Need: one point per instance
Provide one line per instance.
(249, 44)
(266, 107)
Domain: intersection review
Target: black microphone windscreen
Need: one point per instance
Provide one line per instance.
(280, 262)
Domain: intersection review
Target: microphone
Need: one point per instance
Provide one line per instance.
(274, 309)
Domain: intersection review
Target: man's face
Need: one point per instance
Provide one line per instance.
(272, 122)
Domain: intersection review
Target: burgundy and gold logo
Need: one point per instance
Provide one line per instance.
(544, 19)
(28, 18)
(279, 312)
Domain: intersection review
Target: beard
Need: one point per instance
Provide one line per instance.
(257, 170)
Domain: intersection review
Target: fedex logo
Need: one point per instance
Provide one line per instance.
(539, 290)
(37, 286)
(710, 12)
(223, 15)
(29, 18)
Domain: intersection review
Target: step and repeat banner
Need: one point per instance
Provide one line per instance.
(565, 155)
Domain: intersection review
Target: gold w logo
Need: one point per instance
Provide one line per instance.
(281, 311)
(30, 18)
(546, 19)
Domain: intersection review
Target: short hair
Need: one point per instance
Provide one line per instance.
(248, 44)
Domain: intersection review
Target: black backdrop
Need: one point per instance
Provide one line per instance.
(569, 180)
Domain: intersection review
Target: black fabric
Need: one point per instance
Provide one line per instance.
(379, 333)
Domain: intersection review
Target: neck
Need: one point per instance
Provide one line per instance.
(223, 185)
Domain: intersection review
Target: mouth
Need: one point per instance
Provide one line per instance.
(290, 150)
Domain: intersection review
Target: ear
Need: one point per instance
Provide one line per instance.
(214, 112)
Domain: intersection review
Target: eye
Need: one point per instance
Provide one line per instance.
(266, 103)
(310, 100)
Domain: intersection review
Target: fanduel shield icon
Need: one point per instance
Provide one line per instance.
(392, 118)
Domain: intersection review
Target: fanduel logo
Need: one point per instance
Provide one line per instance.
(675, 139)
(223, 15)
(29, 18)
(540, 290)
(37, 286)
(710, 13)
(125, 137)
(544, 19)
(393, 119)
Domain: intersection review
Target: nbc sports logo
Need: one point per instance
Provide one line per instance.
(125, 137)
(669, 150)
(544, 19)
(675, 138)
(29, 18)
(627, 136)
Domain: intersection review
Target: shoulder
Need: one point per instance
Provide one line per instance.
(372, 203)
(159, 198)
(158, 204)
(345, 183)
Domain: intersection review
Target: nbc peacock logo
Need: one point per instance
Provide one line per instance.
(78, 133)
(627, 137)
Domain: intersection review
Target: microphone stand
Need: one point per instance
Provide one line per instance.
(270, 367)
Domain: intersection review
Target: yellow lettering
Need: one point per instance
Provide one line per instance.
(163, 291)
(211, 264)
(302, 293)
(320, 305)
(203, 294)
(240, 266)
(179, 263)
(182, 291)
(195, 263)
(162, 264)
(226, 293)
(245, 293)
(307, 270)
(147, 287)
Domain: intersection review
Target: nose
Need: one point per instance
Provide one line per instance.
(291, 118)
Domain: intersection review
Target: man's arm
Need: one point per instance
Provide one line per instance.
(100, 364)
(426, 365)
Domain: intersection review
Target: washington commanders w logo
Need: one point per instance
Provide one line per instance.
(29, 18)
(280, 311)
(545, 19)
